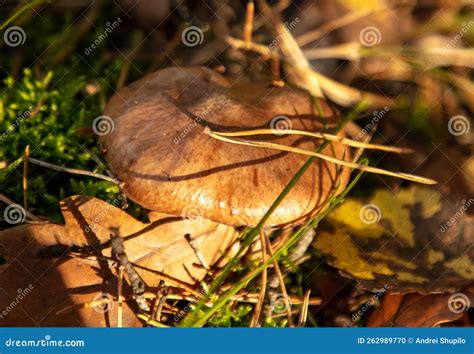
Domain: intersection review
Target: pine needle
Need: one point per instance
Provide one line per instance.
(353, 165)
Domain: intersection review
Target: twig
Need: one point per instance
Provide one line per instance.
(150, 321)
(330, 137)
(304, 309)
(112, 262)
(161, 296)
(263, 285)
(196, 250)
(75, 171)
(301, 74)
(120, 297)
(334, 160)
(29, 215)
(248, 26)
(25, 177)
(330, 26)
(276, 266)
(138, 285)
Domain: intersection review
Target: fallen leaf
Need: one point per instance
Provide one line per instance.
(37, 258)
(411, 241)
(417, 310)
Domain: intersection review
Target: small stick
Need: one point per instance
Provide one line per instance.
(304, 309)
(276, 266)
(151, 321)
(138, 285)
(120, 297)
(275, 66)
(29, 215)
(196, 250)
(161, 304)
(25, 177)
(334, 160)
(248, 26)
(330, 137)
(75, 171)
(330, 26)
(263, 287)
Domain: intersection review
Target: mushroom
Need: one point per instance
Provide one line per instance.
(159, 149)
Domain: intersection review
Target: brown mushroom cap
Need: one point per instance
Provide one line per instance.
(158, 148)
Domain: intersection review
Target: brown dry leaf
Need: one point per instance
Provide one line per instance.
(416, 310)
(411, 241)
(37, 259)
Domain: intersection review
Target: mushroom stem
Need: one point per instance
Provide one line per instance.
(353, 165)
(331, 137)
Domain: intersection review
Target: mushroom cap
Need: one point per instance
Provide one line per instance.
(158, 148)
